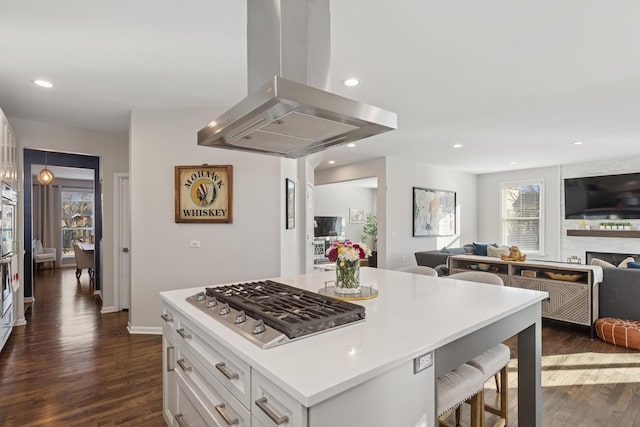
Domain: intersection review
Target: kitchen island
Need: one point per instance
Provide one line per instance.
(362, 374)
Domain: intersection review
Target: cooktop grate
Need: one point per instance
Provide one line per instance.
(293, 311)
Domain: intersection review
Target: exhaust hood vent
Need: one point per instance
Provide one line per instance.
(288, 118)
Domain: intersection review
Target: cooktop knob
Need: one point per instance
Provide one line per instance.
(258, 327)
(212, 302)
(200, 297)
(224, 309)
(240, 317)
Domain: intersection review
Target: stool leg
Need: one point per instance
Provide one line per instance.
(504, 396)
(477, 409)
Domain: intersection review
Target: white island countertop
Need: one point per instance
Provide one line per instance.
(411, 316)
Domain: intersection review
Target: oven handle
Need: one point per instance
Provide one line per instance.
(226, 372)
(262, 404)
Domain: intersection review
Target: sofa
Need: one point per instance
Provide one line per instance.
(619, 294)
(438, 258)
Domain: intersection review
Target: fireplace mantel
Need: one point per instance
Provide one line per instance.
(604, 233)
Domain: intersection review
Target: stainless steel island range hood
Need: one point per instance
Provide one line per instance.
(289, 112)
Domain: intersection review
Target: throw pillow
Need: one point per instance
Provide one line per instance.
(635, 265)
(625, 262)
(469, 249)
(601, 262)
(496, 252)
(445, 250)
(457, 251)
(481, 248)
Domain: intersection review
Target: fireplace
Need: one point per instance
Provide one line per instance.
(612, 258)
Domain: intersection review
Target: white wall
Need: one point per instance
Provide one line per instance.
(161, 259)
(402, 175)
(112, 149)
(337, 199)
(489, 206)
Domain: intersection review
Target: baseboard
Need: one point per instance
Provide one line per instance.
(112, 309)
(147, 330)
(20, 322)
(29, 300)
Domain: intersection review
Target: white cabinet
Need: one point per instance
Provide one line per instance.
(205, 383)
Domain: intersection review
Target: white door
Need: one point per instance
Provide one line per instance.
(122, 247)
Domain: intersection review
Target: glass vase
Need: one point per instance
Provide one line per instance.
(347, 277)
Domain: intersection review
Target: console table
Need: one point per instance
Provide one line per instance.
(572, 288)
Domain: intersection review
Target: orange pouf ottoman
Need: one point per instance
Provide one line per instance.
(623, 333)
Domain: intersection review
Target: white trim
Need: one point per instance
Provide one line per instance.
(29, 300)
(20, 322)
(111, 309)
(148, 330)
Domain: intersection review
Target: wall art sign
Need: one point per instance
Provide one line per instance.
(204, 193)
(290, 194)
(356, 216)
(434, 212)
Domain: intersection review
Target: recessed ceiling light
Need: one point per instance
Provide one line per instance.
(351, 82)
(578, 143)
(331, 162)
(458, 145)
(43, 83)
(351, 145)
(513, 163)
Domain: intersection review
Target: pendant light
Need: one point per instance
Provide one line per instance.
(45, 177)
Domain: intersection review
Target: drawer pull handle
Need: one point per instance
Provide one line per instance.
(227, 373)
(167, 317)
(180, 420)
(262, 404)
(184, 334)
(226, 415)
(170, 351)
(183, 365)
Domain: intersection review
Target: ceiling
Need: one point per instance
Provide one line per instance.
(511, 81)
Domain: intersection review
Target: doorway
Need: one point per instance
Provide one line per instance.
(52, 158)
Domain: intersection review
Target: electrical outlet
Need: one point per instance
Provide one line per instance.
(421, 363)
(194, 243)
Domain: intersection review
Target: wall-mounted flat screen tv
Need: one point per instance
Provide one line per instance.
(602, 197)
(327, 226)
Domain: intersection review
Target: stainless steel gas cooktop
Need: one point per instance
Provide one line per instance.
(270, 313)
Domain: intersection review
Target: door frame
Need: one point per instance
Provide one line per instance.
(121, 218)
(55, 158)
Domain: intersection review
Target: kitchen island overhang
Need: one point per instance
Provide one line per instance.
(412, 316)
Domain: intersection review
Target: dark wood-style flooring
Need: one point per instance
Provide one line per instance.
(72, 366)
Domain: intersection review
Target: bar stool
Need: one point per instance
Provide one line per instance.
(465, 383)
(495, 360)
(490, 363)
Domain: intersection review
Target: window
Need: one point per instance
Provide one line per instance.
(522, 216)
(77, 217)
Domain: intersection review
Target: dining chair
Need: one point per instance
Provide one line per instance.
(494, 361)
(84, 259)
(419, 269)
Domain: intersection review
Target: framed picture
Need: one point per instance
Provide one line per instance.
(356, 216)
(290, 196)
(434, 212)
(204, 194)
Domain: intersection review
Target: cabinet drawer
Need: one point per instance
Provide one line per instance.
(229, 370)
(220, 403)
(273, 407)
(190, 411)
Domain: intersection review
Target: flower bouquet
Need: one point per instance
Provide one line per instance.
(347, 256)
